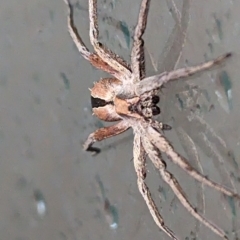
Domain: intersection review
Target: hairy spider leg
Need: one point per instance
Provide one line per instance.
(93, 58)
(139, 160)
(155, 82)
(155, 157)
(108, 56)
(137, 54)
(164, 146)
(103, 133)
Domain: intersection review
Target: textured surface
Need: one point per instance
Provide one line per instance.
(46, 115)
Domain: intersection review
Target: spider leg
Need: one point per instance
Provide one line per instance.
(93, 58)
(139, 160)
(155, 157)
(74, 33)
(107, 56)
(158, 140)
(155, 82)
(137, 54)
(103, 133)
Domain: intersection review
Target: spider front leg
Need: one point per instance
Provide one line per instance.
(139, 160)
(103, 133)
(137, 54)
(159, 141)
(107, 56)
(155, 82)
(93, 58)
(155, 157)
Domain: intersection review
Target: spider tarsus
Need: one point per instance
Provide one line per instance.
(228, 55)
(87, 146)
(95, 151)
(223, 57)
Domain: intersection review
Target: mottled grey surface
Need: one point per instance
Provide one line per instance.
(46, 116)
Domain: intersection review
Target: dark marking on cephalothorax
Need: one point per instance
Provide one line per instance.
(98, 102)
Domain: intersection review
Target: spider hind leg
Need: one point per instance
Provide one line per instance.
(155, 156)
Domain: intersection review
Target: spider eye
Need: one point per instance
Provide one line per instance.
(155, 110)
(155, 99)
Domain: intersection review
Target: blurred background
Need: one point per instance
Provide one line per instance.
(52, 189)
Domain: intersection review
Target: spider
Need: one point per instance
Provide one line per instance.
(130, 98)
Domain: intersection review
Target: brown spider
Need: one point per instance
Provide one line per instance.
(131, 99)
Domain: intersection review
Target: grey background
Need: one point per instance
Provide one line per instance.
(46, 116)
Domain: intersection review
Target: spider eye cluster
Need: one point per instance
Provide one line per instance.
(147, 106)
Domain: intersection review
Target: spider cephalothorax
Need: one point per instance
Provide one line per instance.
(108, 106)
(131, 99)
